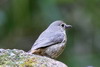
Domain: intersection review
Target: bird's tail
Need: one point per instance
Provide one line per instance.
(31, 51)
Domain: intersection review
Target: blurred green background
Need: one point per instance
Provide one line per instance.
(21, 22)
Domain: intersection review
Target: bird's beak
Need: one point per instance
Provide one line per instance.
(68, 26)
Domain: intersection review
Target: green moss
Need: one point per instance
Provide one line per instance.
(19, 58)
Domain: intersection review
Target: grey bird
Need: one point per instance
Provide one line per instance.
(51, 42)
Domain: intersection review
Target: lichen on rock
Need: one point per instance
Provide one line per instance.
(20, 58)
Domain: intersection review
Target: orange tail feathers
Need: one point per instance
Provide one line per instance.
(32, 51)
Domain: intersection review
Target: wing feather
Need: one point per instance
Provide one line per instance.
(48, 41)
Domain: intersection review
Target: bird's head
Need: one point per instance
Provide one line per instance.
(60, 24)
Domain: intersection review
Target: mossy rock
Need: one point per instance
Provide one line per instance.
(19, 58)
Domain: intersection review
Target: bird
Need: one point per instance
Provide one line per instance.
(51, 41)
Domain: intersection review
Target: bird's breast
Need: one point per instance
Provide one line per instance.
(55, 50)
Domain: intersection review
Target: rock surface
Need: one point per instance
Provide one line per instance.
(19, 58)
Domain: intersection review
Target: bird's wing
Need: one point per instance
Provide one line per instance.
(48, 41)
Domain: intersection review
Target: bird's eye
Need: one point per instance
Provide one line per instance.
(62, 25)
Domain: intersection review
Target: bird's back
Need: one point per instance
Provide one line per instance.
(48, 37)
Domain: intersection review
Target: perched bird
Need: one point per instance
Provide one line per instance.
(51, 42)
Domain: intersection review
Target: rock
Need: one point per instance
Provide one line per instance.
(20, 58)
